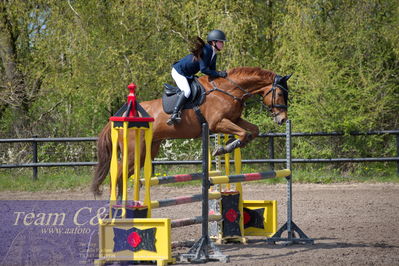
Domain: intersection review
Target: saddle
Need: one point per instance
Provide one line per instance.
(170, 94)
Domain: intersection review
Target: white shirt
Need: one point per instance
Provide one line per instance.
(213, 52)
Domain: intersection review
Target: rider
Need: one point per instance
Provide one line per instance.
(202, 58)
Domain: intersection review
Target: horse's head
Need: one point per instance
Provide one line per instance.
(243, 82)
(275, 97)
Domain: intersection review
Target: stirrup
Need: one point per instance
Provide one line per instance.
(174, 119)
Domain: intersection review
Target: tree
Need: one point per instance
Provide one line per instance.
(18, 88)
(65, 64)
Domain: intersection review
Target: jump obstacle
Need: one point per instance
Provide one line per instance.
(241, 217)
(130, 234)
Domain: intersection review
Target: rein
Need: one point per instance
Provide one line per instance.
(241, 100)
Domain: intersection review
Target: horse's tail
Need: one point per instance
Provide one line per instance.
(104, 153)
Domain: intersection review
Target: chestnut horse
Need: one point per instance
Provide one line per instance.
(222, 109)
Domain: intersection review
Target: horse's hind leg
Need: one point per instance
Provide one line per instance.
(154, 151)
(120, 178)
(155, 148)
(119, 181)
(130, 164)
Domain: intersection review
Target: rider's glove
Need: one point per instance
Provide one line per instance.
(222, 74)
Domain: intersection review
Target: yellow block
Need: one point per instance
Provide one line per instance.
(163, 253)
(283, 173)
(216, 180)
(269, 215)
(215, 173)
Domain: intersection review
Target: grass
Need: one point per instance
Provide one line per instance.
(51, 179)
(54, 179)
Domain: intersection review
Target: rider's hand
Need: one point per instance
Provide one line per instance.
(222, 74)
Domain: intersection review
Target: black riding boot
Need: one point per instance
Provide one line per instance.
(175, 117)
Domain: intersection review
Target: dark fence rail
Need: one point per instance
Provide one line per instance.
(35, 164)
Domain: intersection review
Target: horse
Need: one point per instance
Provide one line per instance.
(222, 109)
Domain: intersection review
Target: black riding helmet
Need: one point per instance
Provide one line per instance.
(216, 35)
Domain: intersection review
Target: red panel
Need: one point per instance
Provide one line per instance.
(253, 176)
(182, 178)
(131, 119)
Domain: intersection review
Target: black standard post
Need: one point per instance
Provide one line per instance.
(397, 153)
(289, 226)
(271, 151)
(288, 145)
(34, 151)
(205, 188)
(204, 249)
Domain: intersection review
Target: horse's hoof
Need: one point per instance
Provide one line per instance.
(229, 141)
(218, 151)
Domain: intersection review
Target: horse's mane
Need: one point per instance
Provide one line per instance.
(251, 71)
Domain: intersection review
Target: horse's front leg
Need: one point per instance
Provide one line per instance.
(226, 126)
(251, 128)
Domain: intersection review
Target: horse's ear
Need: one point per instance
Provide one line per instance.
(287, 77)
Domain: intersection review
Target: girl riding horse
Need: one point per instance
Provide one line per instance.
(222, 109)
(202, 58)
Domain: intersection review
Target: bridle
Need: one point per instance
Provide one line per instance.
(273, 91)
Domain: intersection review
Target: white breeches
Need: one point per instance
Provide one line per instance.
(181, 82)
